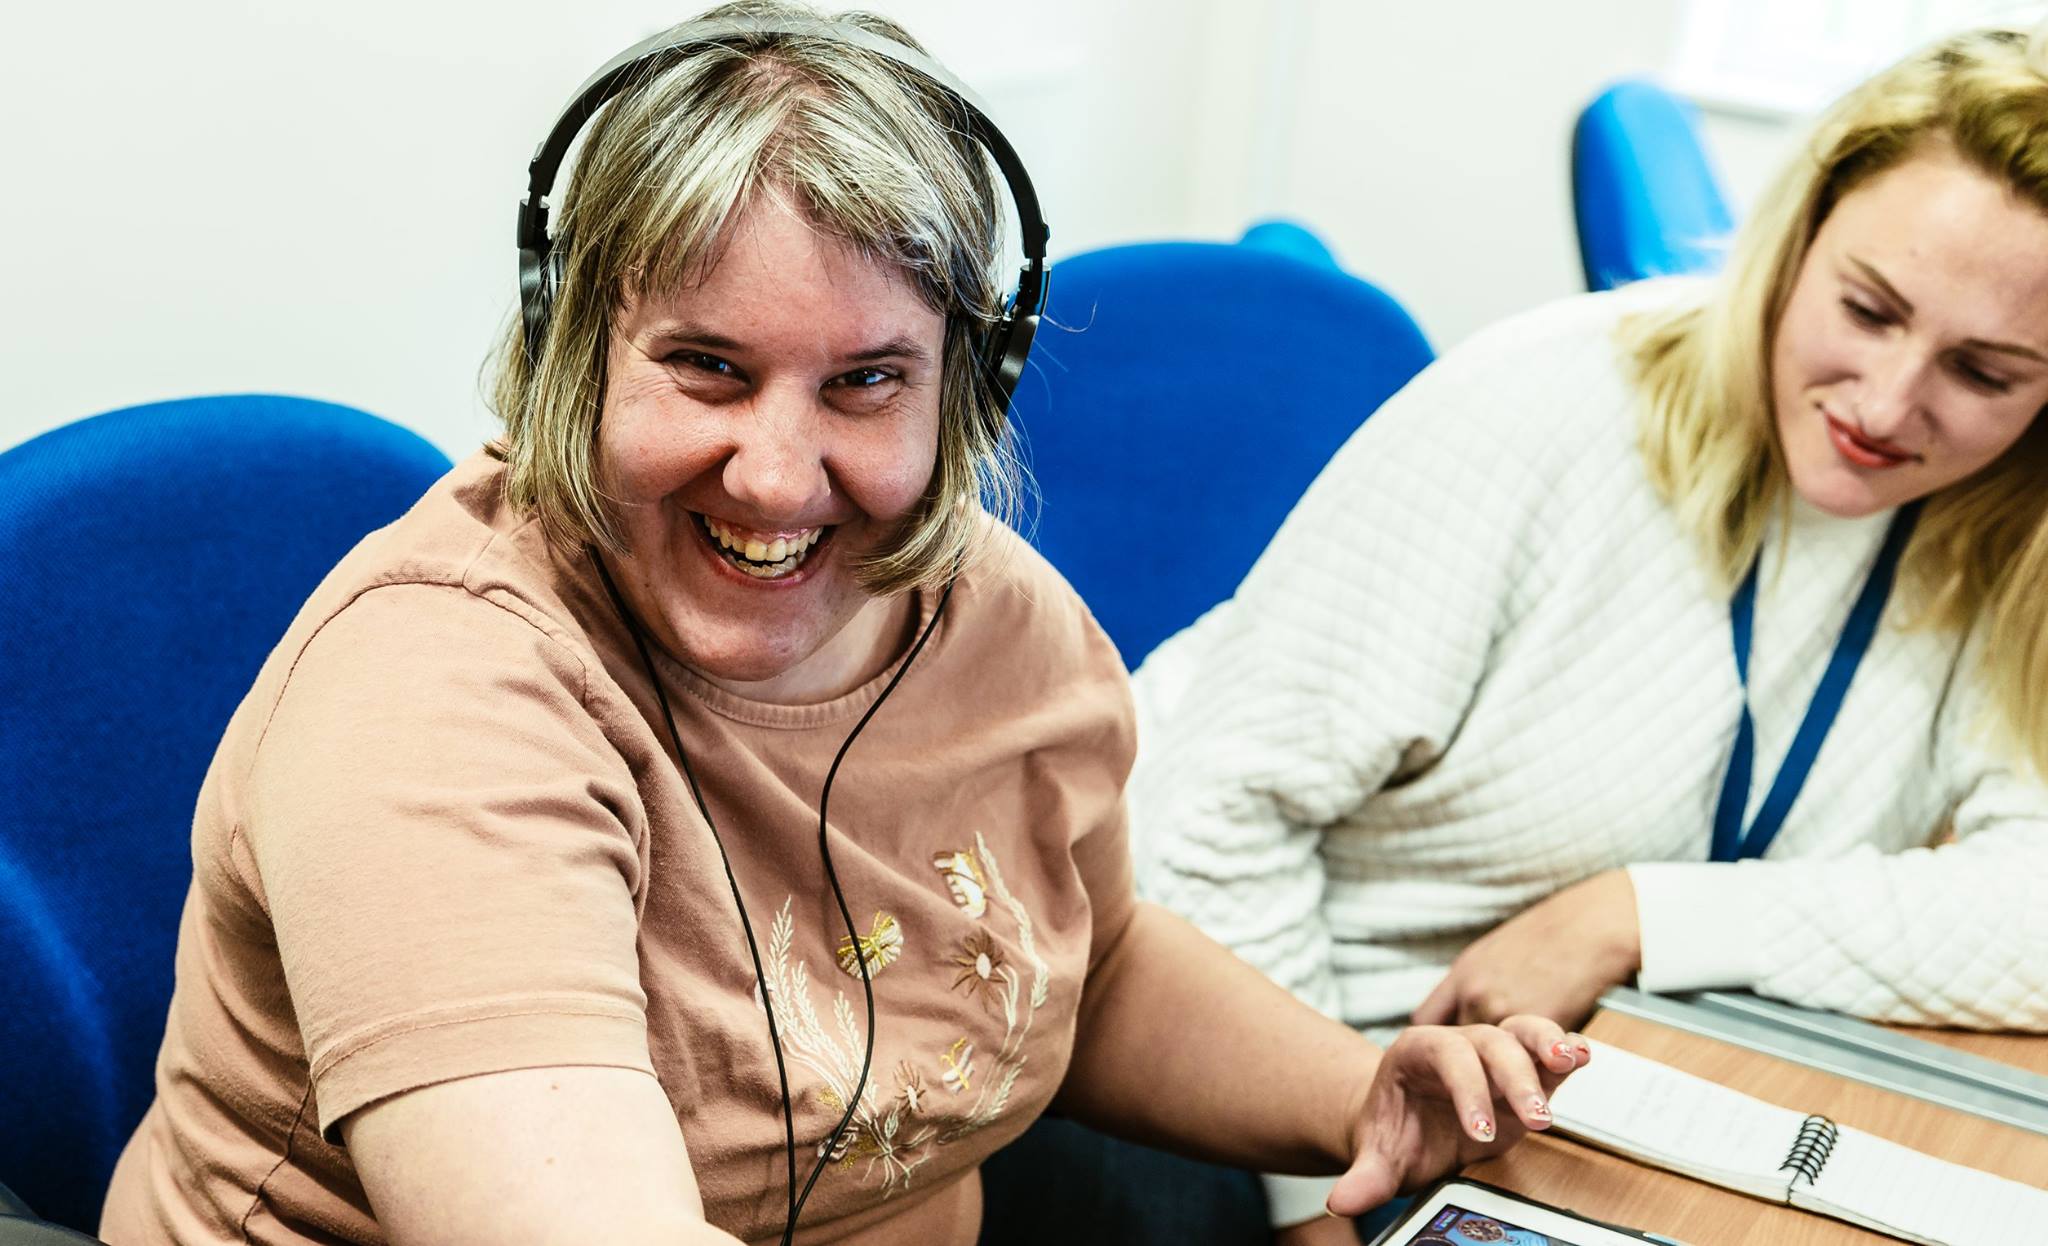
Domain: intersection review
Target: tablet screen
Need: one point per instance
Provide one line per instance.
(1462, 1212)
(1458, 1226)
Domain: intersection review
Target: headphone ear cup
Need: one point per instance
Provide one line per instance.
(541, 273)
(1009, 345)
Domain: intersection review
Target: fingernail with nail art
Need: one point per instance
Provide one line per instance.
(1482, 1128)
(1538, 1108)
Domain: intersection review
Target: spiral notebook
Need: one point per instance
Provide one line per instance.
(1653, 1113)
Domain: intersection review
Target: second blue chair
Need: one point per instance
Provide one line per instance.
(1645, 195)
(1180, 398)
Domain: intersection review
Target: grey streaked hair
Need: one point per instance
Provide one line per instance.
(873, 153)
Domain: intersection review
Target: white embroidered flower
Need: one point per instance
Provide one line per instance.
(965, 880)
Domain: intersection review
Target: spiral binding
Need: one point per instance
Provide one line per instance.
(1810, 1150)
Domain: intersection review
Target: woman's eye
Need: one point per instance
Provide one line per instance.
(1977, 378)
(865, 378)
(1865, 315)
(697, 360)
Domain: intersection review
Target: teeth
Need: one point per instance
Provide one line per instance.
(764, 560)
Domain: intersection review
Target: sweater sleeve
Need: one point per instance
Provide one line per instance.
(1344, 662)
(1949, 935)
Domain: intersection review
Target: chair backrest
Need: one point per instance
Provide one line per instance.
(149, 560)
(1644, 192)
(1285, 237)
(1180, 398)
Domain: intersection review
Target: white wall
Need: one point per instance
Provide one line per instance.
(236, 195)
(1430, 143)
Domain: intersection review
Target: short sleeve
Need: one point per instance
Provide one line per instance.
(450, 851)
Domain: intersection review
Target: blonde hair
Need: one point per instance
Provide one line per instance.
(873, 154)
(1707, 433)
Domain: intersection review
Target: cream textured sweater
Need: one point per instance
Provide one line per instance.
(1480, 662)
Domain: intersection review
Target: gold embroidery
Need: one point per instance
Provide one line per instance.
(1009, 1061)
(897, 1135)
(881, 945)
(959, 1062)
(834, 1055)
(964, 879)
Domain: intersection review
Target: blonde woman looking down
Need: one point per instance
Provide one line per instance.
(1580, 665)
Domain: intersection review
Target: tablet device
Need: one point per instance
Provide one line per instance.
(1458, 1212)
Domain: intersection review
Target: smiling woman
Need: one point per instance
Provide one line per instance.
(1615, 559)
(532, 899)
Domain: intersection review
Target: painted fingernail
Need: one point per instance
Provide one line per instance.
(1538, 1108)
(1482, 1127)
(1564, 1049)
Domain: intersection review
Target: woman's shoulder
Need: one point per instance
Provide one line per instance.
(1543, 393)
(1017, 621)
(457, 576)
(1567, 336)
(1011, 589)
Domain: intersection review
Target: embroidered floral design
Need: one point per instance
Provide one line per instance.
(897, 1135)
(1019, 1009)
(982, 969)
(909, 1088)
(833, 1054)
(958, 1061)
(964, 879)
(881, 945)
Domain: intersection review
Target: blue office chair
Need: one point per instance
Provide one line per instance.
(149, 560)
(1646, 197)
(1180, 398)
(1290, 238)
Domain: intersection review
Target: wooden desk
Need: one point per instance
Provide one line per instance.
(1607, 1187)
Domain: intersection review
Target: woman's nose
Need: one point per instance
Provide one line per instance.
(777, 465)
(1892, 394)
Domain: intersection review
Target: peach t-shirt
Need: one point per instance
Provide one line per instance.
(444, 835)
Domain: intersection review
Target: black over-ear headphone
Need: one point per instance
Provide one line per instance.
(1006, 344)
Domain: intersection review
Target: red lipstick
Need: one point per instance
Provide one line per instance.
(1867, 452)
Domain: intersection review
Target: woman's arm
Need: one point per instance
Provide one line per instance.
(1181, 1044)
(557, 1155)
(1953, 935)
(1348, 657)
(1949, 935)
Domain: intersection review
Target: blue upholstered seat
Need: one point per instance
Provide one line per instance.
(149, 559)
(1179, 399)
(1645, 194)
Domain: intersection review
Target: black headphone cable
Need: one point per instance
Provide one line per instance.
(796, 1200)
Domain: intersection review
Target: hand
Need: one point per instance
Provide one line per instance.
(1553, 959)
(1444, 1097)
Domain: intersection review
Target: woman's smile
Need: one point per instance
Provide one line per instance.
(767, 557)
(1862, 451)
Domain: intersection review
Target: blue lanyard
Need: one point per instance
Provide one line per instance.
(1730, 842)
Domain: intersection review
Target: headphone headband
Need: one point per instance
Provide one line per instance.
(540, 269)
